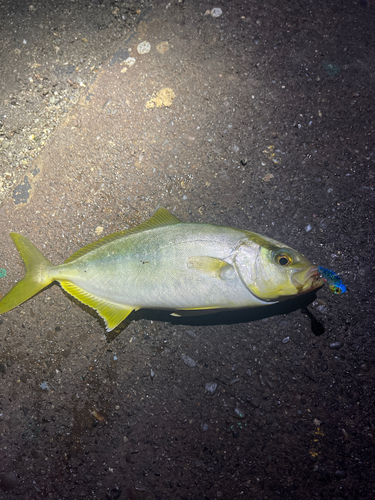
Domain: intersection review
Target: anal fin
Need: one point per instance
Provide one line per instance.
(113, 314)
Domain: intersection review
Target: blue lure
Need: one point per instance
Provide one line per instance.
(334, 282)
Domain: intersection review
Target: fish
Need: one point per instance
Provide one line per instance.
(334, 282)
(166, 264)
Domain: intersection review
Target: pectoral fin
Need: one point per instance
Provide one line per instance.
(113, 314)
(216, 268)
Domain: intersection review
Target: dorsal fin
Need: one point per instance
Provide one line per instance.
(160, 218)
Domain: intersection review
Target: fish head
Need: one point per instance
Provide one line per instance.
(273, 271)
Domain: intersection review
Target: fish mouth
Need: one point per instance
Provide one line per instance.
(307, 279)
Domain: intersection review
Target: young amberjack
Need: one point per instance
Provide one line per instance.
(167, 264)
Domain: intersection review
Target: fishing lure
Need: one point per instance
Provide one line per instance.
(334, 282)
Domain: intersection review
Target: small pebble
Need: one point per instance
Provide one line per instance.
(340, 474)
(162, 47)
(129, 61)
(8, 481)
(234, 381)
(188, 360)
(336, 345)
(345, 434)
(239, 413)
(143, 47)
(285, 340)
(216, 12)
(211, 387)
(24, 377)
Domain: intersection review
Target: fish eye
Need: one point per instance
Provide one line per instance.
(283, 259)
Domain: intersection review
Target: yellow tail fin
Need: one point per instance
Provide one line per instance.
(36, 278)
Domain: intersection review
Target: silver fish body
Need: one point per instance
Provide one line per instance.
(167, 264)
(172, 267)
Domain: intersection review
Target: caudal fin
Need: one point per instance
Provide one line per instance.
(36, 278)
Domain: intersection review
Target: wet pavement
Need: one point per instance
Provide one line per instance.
(257, 116)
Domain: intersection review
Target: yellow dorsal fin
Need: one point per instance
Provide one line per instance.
(113, 314)
(160, 218)
(216, 268)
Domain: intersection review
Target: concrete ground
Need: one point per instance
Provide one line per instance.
(246, 114)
